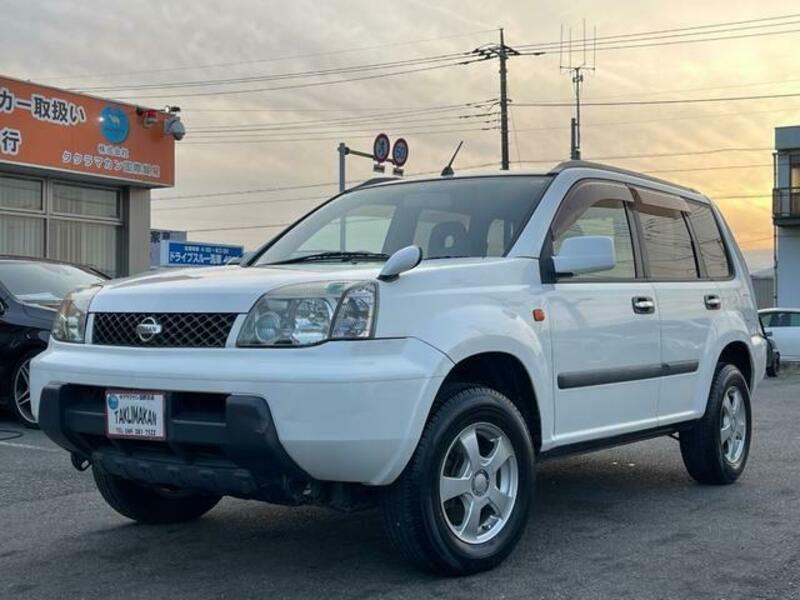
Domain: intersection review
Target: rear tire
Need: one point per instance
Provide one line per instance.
(151, 505)
(715, 450)
(775, 367)
(490, 486)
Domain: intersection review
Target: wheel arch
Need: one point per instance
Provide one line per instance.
(738, 354)
(505, 373)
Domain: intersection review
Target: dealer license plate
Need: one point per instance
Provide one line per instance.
(135, 414)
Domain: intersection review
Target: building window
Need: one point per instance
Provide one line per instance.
(21, 194)
(21, 235)
(88, 202)
(80, 224)
(92, 244)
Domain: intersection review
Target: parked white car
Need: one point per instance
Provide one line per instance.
(783, 326)
(420, 344)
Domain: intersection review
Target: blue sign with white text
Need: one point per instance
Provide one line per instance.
(189, 254)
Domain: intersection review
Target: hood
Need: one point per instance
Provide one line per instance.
(216, 289)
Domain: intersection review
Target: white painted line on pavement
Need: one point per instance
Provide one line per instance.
(28, 447)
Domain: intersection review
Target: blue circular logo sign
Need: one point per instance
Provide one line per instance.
(114, 124)
(113, 403)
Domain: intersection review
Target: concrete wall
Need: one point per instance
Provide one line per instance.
(137, 219)
(788, 267)
(764, 288)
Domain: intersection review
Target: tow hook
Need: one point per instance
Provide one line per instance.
(79, 462)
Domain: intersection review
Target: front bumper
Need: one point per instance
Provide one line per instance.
(234, 451)
(340, 411)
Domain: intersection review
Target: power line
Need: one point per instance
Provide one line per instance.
(267, 60)
(658, 155)
(278, 76)
(661, 102)
(400, 130)
(657, 34)
(312, 84)
(674, 42)
(251, 191)
(240, 227)
(408, 117)
(243, 203)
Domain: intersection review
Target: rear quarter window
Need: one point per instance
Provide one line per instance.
(709, 239)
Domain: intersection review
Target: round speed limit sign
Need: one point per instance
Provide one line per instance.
(380, 148)
(400, 152)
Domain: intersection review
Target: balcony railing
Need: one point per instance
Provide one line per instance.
(786, 202)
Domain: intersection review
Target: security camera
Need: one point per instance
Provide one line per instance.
(175, 128)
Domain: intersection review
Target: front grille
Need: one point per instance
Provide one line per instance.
(178, 330)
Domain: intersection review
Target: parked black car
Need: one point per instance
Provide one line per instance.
(773, 355)
(31, 290)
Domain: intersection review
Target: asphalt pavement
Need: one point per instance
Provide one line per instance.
(622, 523)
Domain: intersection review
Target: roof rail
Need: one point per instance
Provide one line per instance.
(585, 164)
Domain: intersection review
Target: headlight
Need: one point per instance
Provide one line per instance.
(306, 314)
(70, 322)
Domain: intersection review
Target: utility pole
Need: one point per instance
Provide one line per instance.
(503, 53)
(577, 79)
(575, 150)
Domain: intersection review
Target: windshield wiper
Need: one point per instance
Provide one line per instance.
(334, 255)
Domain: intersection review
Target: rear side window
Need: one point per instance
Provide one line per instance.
(781, 319)
(668, 245)
(709, 239)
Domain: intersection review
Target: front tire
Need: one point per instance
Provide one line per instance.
(462, 502)
(150, 505)
(715, 450)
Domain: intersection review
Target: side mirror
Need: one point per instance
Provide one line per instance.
(241, 260)
(768, 333)
(585, 254)
(401, 261)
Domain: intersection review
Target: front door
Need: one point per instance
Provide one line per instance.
(605, 326)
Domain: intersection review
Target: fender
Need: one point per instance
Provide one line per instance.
(494, 329)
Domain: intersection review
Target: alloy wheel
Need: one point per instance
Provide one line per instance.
(22, 391)
(733, 429)
(478, 483)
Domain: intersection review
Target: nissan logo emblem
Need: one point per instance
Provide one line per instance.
(148, 329)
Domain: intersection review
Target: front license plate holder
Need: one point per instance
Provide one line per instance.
(135, 414)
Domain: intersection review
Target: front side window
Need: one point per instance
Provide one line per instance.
(668, 244)
(447, 218)
(709, 240)
(43, 283)
(598, 209)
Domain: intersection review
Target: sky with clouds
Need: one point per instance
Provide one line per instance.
(83, 44)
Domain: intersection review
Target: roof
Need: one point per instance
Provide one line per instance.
(584, 164)
(559, 168)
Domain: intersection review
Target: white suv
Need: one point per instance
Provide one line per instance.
(417, 344)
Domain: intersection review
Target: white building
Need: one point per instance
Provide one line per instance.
(786, 216)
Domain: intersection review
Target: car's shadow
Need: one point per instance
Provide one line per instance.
(583, 506)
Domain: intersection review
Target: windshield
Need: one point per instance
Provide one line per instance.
(476, 216)
(43, 283)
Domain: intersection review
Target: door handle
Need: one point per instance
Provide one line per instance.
(713, 302)
(643, 305)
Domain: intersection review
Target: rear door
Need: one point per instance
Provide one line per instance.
(686, 298)
(605, 331)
